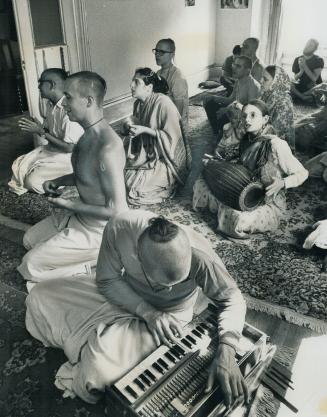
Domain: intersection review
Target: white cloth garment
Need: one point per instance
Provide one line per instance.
(61, 246)
(318, 237)
(46, 162)
(101, 341)
(99, 324)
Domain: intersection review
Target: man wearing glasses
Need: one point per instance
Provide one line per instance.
(164, 53)
(48, 161)
(149, 272)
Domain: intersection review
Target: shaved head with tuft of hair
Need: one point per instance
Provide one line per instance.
(90, 84)
(165, 250)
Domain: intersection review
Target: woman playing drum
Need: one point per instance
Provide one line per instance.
(271, 161)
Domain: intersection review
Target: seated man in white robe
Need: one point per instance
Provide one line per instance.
(47, 162)
(67, 243)
(149, 272)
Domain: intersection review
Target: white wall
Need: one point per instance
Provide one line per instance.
(303, 20)
(121, 34)
(233, 26)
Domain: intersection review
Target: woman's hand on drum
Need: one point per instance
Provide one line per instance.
(274, 188)
(136, 130)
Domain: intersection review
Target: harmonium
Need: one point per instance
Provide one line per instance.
(171, 381)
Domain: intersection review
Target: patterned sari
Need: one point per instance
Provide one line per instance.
(280, 106)
(156, 165)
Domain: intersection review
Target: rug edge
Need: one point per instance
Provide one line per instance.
(287, 314)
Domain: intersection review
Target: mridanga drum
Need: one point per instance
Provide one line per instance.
(233, 185)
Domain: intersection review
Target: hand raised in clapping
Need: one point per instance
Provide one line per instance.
(301, 62)
(31, 126)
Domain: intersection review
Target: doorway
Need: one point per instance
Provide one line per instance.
(12, 87)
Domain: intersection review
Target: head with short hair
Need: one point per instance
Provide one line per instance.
(84, 93)
(51, 83)
(310, 47)
(55, 72)
(164, 52)
(250, 46)
(165, 253)
(90, 84)
(242, 66)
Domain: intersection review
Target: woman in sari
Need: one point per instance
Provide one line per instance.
(158, 155)
(271, 161)
(275, 87)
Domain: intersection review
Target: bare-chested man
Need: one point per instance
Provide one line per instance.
(67, 243)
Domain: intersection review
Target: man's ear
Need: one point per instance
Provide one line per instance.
(53, 84)
(89, 101)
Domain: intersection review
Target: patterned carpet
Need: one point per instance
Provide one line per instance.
(270, 267)
(28, 369)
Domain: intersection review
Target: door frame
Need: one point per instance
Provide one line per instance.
(25, 36)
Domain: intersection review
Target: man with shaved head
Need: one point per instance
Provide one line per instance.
(307, 72)
(67, 243)
(249, 49)
(245, 89)
(48, 161)
(149, 272)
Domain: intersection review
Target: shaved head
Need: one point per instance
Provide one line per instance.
(253, 43)
(311, 46)
(165, 251)
(89, 84)
(55, 73)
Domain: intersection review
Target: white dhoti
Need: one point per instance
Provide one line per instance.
(30, 171)
(61, 247)
(101, 341)
(318, 237)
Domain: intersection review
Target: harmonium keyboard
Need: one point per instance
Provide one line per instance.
(170, 382)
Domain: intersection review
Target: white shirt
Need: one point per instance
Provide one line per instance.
(289, 165)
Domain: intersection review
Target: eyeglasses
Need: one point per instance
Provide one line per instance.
(160, 51)
(157, 288)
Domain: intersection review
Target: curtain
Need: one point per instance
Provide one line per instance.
(274, 26)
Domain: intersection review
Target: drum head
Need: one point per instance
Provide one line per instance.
(252, 196)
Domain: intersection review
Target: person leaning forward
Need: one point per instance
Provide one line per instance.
(137, 303)
(67, 243)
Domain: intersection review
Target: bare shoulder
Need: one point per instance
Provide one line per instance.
(111, 151)
(110, 140)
